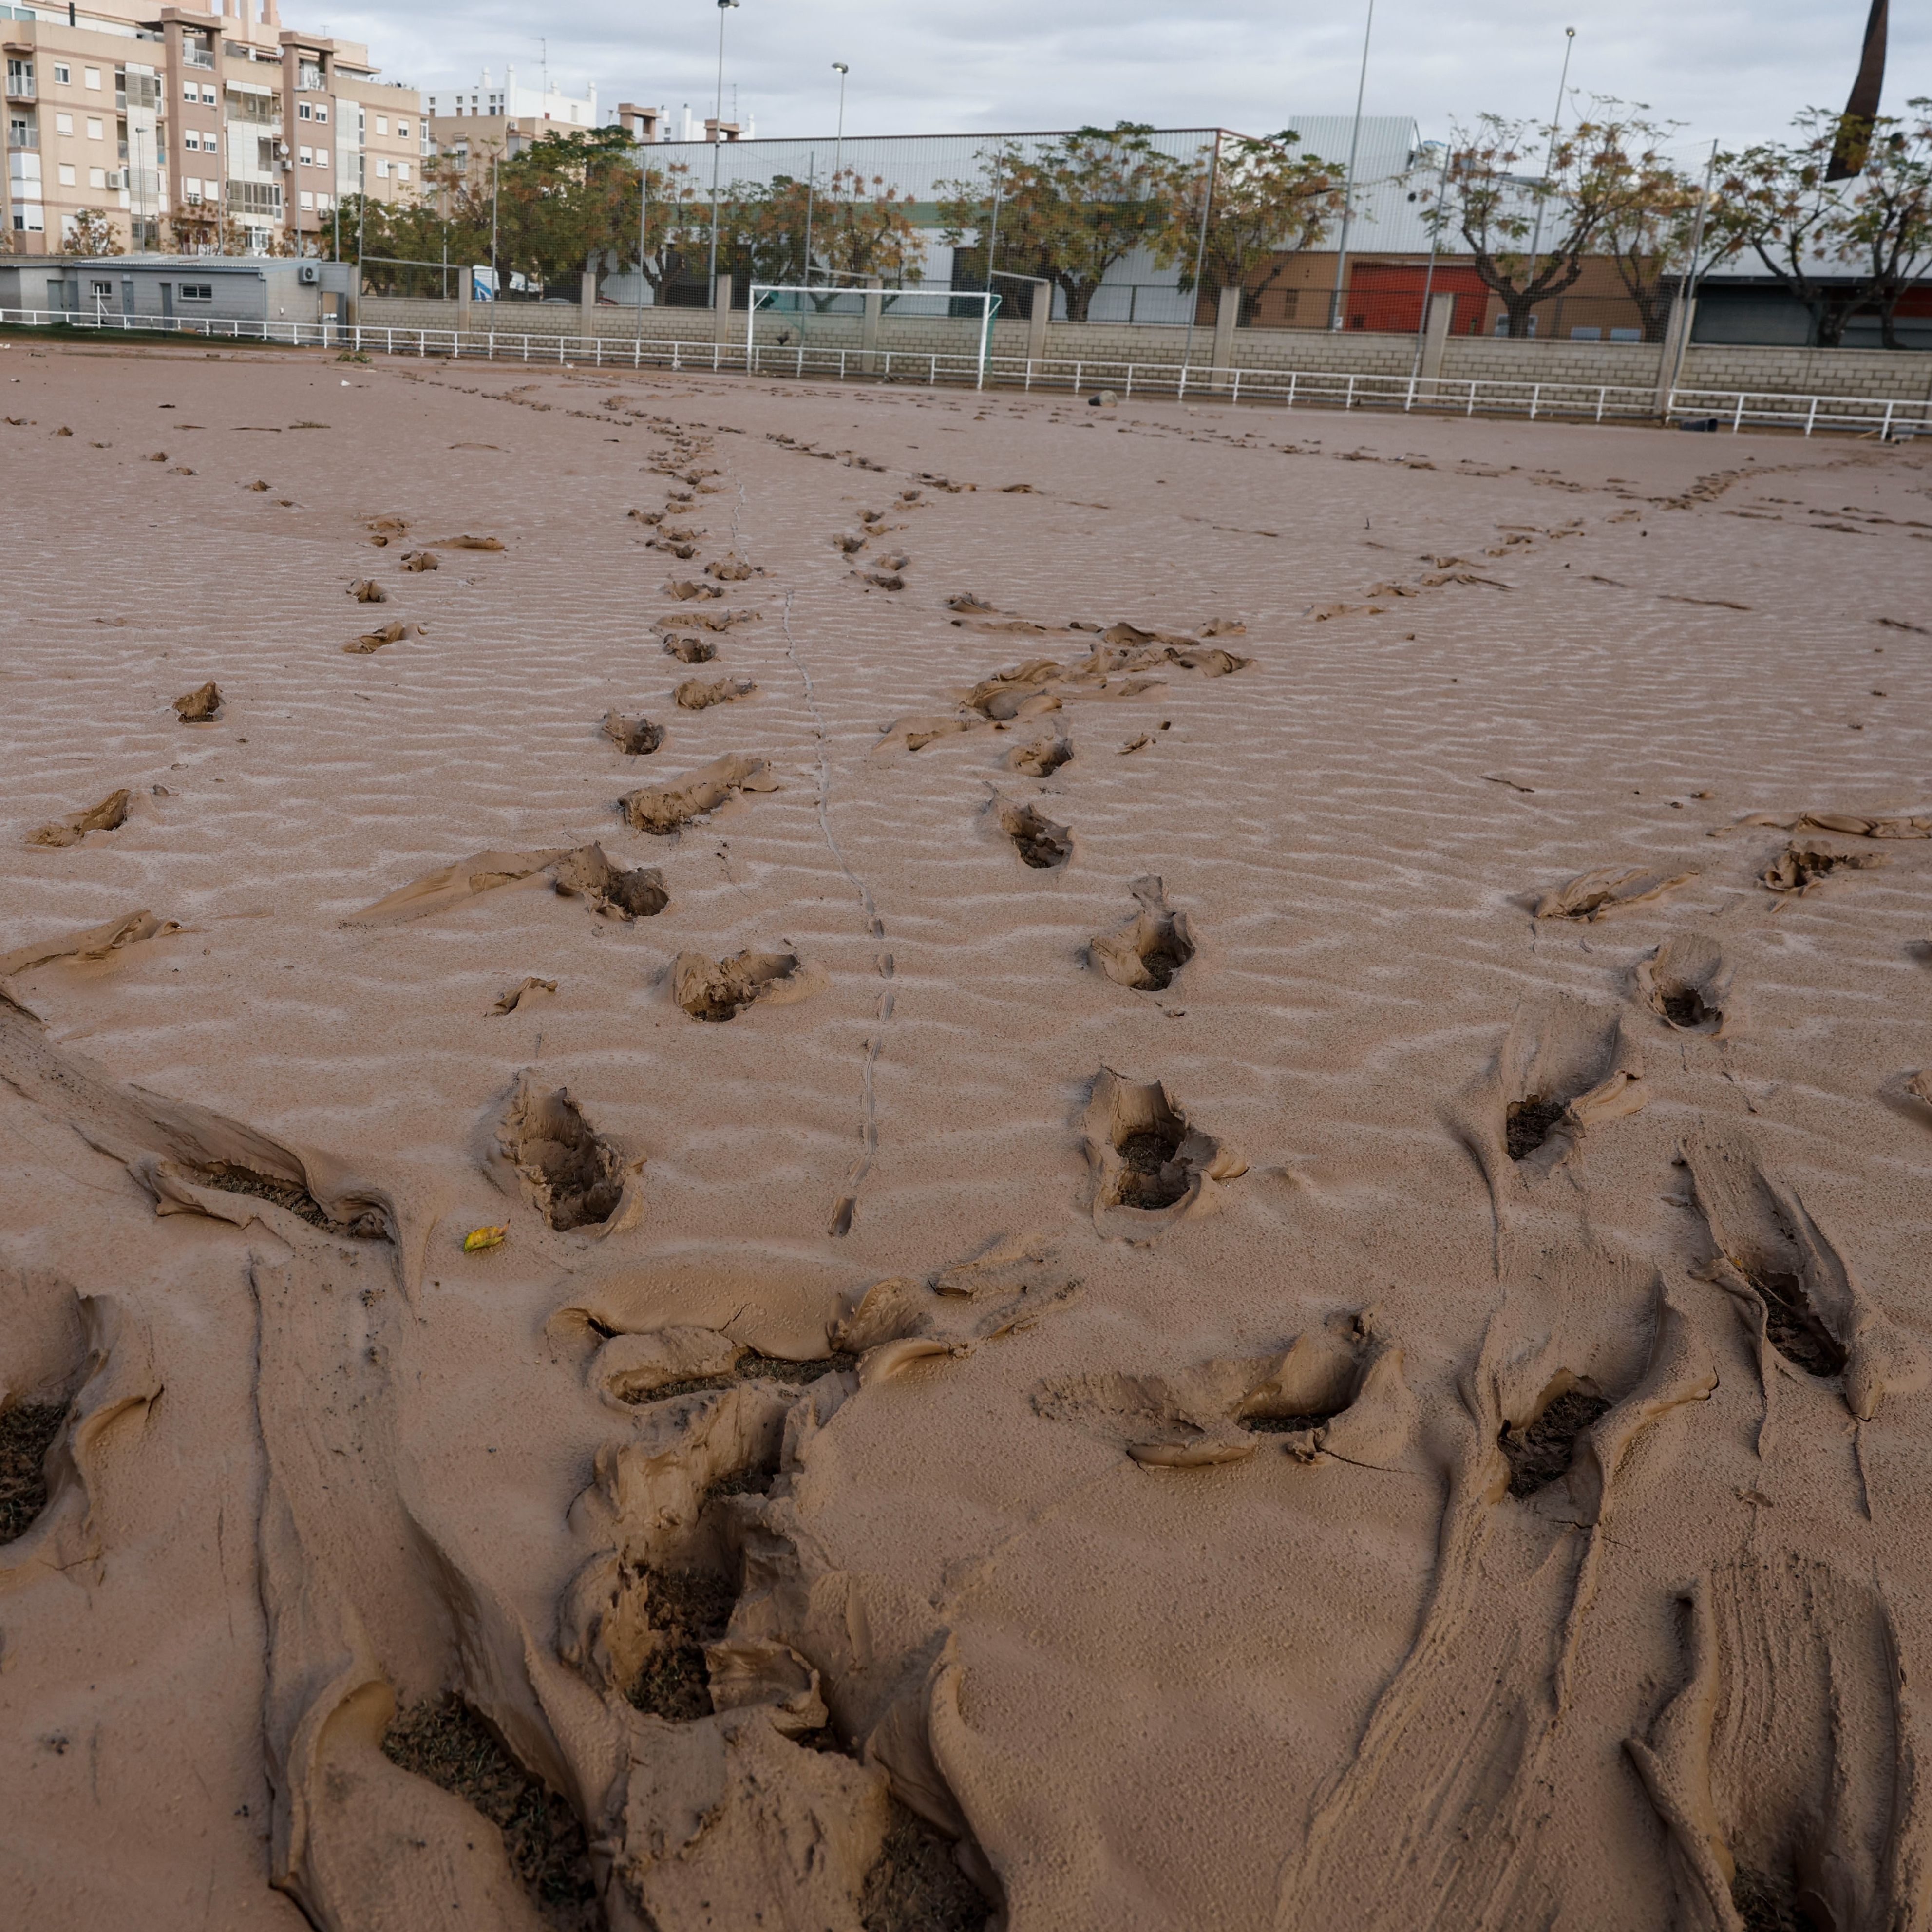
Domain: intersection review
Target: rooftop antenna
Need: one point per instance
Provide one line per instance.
(545, 45)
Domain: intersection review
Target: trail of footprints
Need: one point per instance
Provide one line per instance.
(669, 1615)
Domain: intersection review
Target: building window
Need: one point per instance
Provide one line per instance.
(90, 77)
(30, 218)
(306, 200)
(308, 78)
(63, 123)
(94, 130)
(321, 110)
(402, 171)
(402, 131)
(197, 291)
(189, 92)
(304, 111)
(191, 140)
(191, 193)
(66, 175)
(382, 124)
(63, 74)
(97, 178)
(382, 170)
(321, 157)
(306, 156)
(101, 288)
(208, 95)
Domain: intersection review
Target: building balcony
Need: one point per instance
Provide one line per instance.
(19, 89)
(198, 57)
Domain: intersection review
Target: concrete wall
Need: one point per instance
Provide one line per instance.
(1890, 375)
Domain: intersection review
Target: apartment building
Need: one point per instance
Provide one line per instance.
(470, 129)
(210, 129)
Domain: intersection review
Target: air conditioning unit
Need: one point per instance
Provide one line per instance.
(309, 273)
(117, 177)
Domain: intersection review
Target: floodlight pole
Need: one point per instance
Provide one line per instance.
(1548, 155)
(1349, 185)
(838, 146)
(717, 142)
(810, 188)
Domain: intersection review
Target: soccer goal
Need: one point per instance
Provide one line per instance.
(821, 325)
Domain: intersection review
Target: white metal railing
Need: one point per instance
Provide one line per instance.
(1732, 409)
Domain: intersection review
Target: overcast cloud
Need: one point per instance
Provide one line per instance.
(1726, 70)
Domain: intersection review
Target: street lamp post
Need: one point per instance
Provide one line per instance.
(717, 142)
(1549, 154)
(1335, 317)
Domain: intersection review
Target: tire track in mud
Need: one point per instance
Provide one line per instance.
(843, 1208)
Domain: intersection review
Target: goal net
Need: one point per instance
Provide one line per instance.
(820, 325)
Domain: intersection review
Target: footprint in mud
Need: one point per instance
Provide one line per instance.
(663, 812)
(720, 989)
(687, 591)
(518, 993)
(1800, 867)
(464, 543)
(367, 590)
(27, 1432)
(1541, 1450)
(110, 815)
(1336, 1382)
(199, 706)
(577, 1177)
(92, 943)
(695, 695)
(229, 1177)
(447, 1742)
(1788, 1282)
(374, 640)
(1042, 758)
(1687, 983)
(635, 737)
(1150, 1165)
(1040, 843)
(614, 891)
(418, 561)
(1147, 951)
(1592, 894)
(732, 570)
(1564, 1069)
(688, 649)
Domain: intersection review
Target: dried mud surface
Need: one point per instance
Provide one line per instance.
(1321, 1326)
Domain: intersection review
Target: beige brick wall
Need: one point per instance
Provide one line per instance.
(1104, 350)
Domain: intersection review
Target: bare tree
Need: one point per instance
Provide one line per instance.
(1527, 233)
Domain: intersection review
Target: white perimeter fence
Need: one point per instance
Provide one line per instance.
(1714, 409)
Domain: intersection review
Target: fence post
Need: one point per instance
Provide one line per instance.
(1885, 433)
(1348, 400)
(1737, 420)
(1811, 415)
(1076, 378)
(1294, 377)
(1535, 397)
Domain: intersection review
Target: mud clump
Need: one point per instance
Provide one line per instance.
(637, 892)
(688, 1609)
(1541, 1452)
(1530, 1123)
(199, 706)
(110, 815)
(444, 1740)
(1042, 758)
(27, 1431)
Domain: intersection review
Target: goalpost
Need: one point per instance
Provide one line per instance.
(785, 317)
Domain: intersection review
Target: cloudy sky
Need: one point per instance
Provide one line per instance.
(1725, 69)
